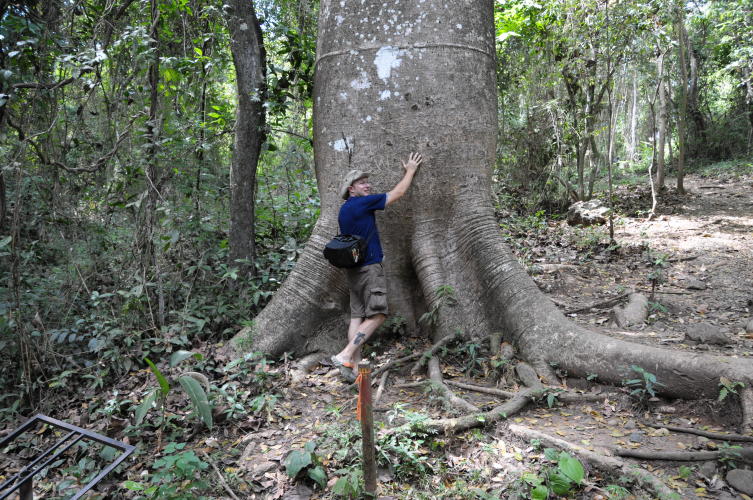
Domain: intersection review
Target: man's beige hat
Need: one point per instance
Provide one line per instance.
(348, 180)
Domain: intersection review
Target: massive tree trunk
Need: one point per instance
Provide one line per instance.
(422, 78)
(249, 58)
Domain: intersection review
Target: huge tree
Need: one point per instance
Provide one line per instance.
(410, 76)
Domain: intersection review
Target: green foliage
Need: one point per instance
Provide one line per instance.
(406, 452)
(306, 461)
(644, 387)
(188, 381)
(617, 492)
(658, 263)
(175, 476)
(444, 296)
(560, 479)
(728, 387)
(350, 483)
(729, 455)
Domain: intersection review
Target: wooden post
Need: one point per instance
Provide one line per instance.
(367, 429)
(26, 491)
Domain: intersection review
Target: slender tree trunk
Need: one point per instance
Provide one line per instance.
(149, 257)
(682, 112)
(661, 128)
(694, 108)
(634, 117)
(385, 89)
(249, 58)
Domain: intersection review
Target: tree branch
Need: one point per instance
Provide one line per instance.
(38, 85)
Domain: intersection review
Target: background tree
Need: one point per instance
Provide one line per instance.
(249, 58)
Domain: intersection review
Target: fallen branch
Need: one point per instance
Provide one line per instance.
(711, 435)
(380, 389)
(564, 396)
(470, 421)
(609, 464)
(683, 259)
(395, 363)
(427, 355)
(220, 476)
(598, 304)
(743, 454)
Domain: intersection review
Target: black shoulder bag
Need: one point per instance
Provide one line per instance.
(345, 250)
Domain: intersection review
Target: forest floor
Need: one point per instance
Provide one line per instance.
(704, 243)
(698, 250)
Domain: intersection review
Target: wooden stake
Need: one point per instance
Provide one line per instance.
(367, 428)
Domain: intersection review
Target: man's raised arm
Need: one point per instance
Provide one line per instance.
(414, 161)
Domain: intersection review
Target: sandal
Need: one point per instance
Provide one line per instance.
(345, 368)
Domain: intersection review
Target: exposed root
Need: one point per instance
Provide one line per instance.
(742, 454)
(304, 366)
(711, 435)
(435, 374)
(528, 375)
(609, 464)
(427, 355)
(746, 402)
(495, 342)
(565, 397)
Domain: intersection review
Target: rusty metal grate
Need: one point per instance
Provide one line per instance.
(22, 481)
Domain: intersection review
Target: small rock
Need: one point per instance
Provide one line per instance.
(704, 333)
(613, 422)
(587, 213)
(637, 437)
(726, 496)
(630, 424)
(749, 326)
(666, 409)
(694, 284)
(741, 480)
(301, 492)
(707, 470)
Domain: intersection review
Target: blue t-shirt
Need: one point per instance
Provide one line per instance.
(357, 217)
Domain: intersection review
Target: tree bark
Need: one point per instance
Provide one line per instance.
(249, 58)
(661, 132)
(682, 112)
(417, 82)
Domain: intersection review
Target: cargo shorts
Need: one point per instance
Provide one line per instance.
(368, 291)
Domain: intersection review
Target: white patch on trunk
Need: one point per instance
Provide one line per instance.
(362, 82)
(342, 144)
(243, 27)
(386, 59)
(384, 95)
(339, 20)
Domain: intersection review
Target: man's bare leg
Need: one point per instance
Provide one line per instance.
(359, 332)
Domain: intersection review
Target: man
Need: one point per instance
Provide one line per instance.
(368, 287)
